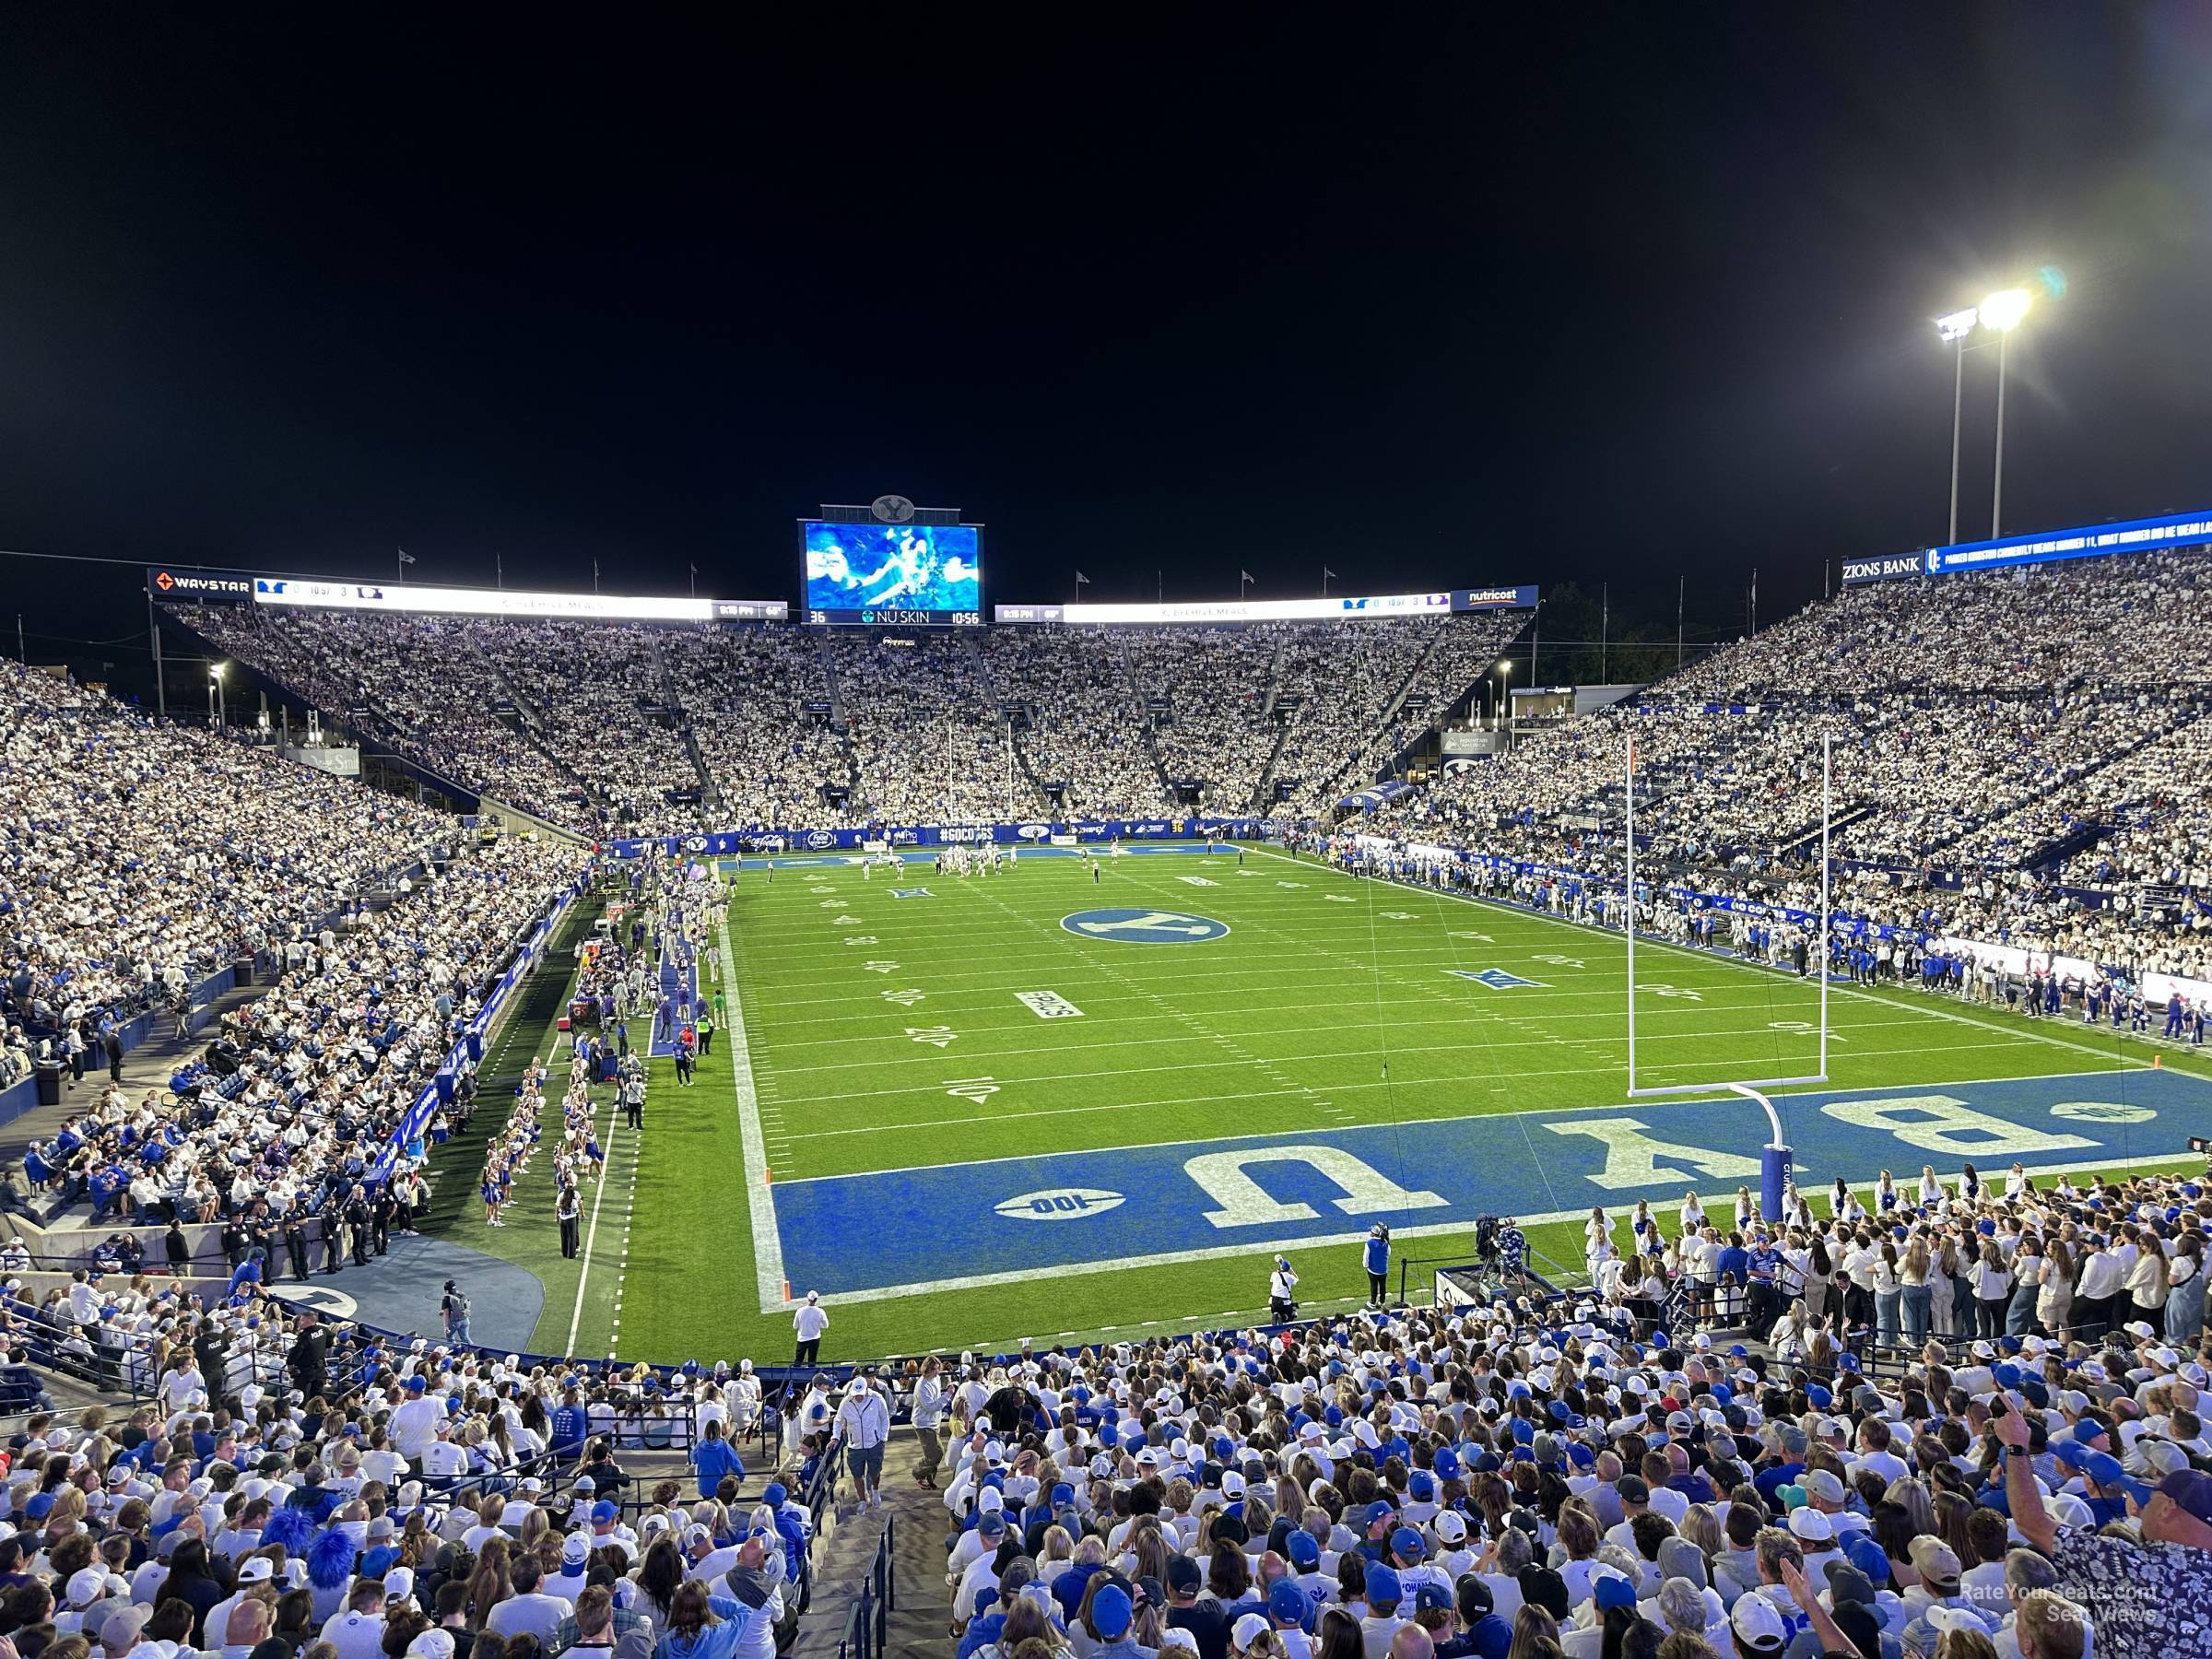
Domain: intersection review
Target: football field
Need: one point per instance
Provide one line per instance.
(968, 1111)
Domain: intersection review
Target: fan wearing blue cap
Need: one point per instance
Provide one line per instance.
(1385, 1590)
(1304, 1552)
(1289, 1607)
(1111, 1613)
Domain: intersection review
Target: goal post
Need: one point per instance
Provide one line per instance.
(1774, 1158)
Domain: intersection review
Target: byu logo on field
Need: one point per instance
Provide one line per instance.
(1145, 926)
(1058, 1203)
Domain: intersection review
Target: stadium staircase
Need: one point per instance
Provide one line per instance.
(907, 1604)
(994, 697)
(1807, 840)
(1141, 705)
(1263, 794)
(1441, 713)
(837, 696)
(528, 727)
(666, 690)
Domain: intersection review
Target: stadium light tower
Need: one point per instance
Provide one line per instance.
(2002, 312)
(217, 705)
(1999, 313)
(1953, 330)
(1505, 676)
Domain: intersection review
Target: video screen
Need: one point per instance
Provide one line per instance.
(899, 575)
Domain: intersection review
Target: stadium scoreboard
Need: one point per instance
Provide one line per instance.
(892, 575)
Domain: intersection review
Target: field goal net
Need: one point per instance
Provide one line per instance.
(1646, 899)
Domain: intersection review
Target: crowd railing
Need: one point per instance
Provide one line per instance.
(867, 1622)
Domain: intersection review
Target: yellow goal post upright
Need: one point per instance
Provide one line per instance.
(1774, 1158)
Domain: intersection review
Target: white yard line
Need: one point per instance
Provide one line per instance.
(1103, 1044)
(583, 1275)
(760, 1199)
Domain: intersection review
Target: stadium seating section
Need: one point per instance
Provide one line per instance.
(1497, 1476)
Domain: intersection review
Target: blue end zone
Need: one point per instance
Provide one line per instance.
(864, 1236)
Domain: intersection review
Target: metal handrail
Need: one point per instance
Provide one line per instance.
(868, 1624)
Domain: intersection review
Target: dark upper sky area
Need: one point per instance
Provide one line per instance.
(1435, 296)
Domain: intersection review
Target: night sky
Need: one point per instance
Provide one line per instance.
(1210, 289)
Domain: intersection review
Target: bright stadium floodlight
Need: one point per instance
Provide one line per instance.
(1958, 325)
(2000, 312)
(2003, 311)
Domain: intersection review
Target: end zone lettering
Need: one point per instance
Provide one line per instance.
(1048, 1005)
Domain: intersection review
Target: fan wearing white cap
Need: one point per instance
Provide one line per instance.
(575, 1567)
(254, 1570)
(864, 1425)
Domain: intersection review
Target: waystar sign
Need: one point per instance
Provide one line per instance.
(199, 586)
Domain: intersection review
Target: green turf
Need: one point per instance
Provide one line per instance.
(1329, 1005)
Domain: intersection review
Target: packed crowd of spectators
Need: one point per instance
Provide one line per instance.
(2132, 621)
(929, 744)
(2149, 810)
(306, 1085)
(431, 686)
(137, 859)
(1352, 682)
(2000, 743)
(1206, 692)
(758, 706)
(1602, 1479)
(798, 729)
(595, 694)
(299, 1489)
(1088, 736)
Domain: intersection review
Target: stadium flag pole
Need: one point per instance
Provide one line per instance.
(1629, 777)
(1826, 773)
(153, 630)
